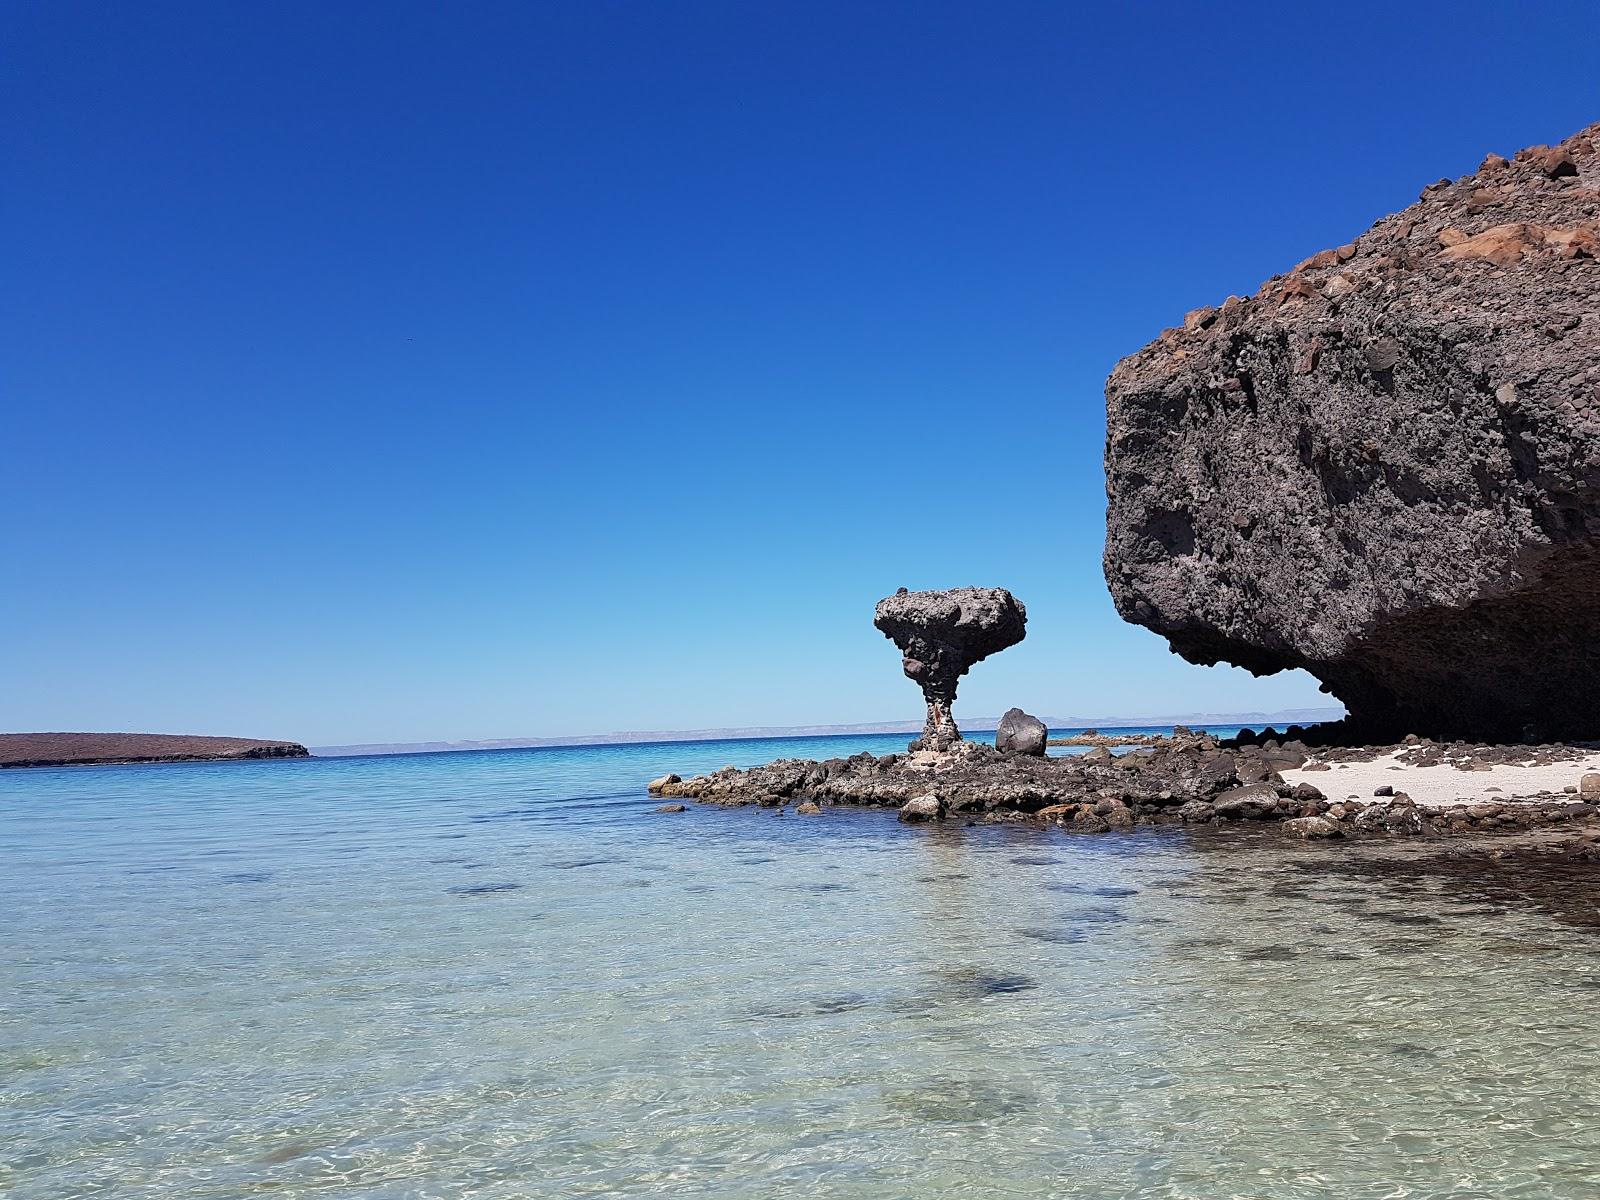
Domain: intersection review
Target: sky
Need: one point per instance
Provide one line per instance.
(392, 372)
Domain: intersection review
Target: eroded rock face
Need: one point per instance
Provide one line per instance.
(1384, 467)
(941, 635)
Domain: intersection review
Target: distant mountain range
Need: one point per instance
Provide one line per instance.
(1280, 719)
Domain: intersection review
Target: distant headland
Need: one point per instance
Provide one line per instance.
(84, 749)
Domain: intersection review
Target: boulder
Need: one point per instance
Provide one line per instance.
(1313, 827)
(1019, 733)
(1384, 467)
(1252, 800)
(657, 786)
(671, 808)
(940, 636)
(927, 807)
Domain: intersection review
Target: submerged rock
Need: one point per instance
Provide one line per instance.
(941, 635)
(1021, 734)
(1384, 467)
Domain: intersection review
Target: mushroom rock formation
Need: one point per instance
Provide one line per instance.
(1384, 467)
(941, 634)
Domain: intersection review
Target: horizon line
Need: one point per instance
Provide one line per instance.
(985, 724)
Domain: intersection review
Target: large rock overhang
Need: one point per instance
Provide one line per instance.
(1384, 468)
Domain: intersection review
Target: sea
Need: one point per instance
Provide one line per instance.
(504, 974)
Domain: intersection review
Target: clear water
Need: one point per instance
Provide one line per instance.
(503, 974)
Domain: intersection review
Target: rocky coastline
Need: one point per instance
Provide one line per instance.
(1383, 468)
(1195, 780)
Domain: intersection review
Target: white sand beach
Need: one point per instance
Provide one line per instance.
(1444, 784)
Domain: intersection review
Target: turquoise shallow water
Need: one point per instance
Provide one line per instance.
(502, 974)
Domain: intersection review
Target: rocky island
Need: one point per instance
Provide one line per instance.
(1382, 468)
(83, 749)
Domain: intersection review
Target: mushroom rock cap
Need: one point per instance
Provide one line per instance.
(942, 633)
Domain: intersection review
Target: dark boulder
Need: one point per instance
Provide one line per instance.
(1384, 467)
(1021, 734)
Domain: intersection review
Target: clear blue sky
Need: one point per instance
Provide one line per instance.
(390, 372)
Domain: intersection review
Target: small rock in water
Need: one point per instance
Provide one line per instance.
(1313, 827)
(1385, 790)
(1249, 801)
(927, 807)
(672, 808)
(1589, 785)
(1020, 733)
(808, 808)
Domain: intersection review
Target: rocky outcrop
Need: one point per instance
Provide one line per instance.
(941, 635)
(1188, 781)
(1384, 467)
(1021, 734)
(83, 749)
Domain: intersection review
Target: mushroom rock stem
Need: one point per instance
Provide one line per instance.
(939, 732)
(941, 635)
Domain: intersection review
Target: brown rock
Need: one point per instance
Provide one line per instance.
(1319, 260)
(1554, 161)
(1581, 241)
(1501, 245)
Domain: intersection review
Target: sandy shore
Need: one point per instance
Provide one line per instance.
(1441, 785)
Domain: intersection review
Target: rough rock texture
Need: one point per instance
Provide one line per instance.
(922, 808)
(82, 749)
(941, 634)
(1385, 466)
(1191, 781)
(1021, 734)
